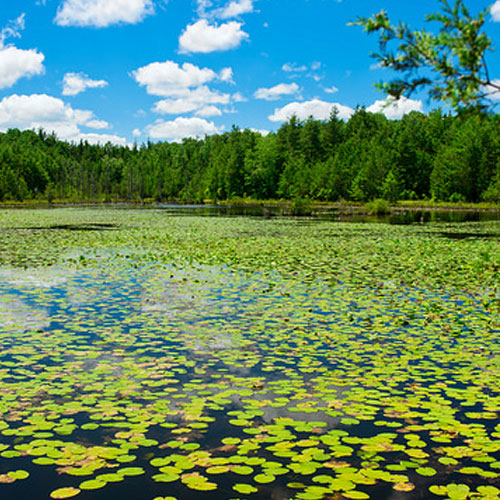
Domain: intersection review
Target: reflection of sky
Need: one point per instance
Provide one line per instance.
(205, 341)
(30, 279)
(16, 315)
(205, 312)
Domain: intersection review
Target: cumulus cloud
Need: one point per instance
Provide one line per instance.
(331, 90)
(238, 97)
(495, 11)
(97, 124)
(208, 111)
(277, 91)
(181, 128)
(16, 64)
(102, 13)
(184, 87)
(204, 37)
(320, 110)
(395, 109)
(37, 111)
(226, 75)
(74, 83)
(167, 78)
(187, 100)
(175, 106)
(235, 8)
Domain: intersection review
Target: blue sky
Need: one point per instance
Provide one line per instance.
(133, 70)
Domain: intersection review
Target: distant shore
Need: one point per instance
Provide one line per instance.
(316, 207)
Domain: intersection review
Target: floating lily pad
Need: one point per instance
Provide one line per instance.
(61, 493)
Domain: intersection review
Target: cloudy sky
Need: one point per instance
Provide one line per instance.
(133, 70)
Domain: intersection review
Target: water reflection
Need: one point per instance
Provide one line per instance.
(220, 354)
(348, 214)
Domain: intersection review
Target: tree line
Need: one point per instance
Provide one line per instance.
(421, 156)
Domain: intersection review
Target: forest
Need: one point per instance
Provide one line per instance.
(434, 156)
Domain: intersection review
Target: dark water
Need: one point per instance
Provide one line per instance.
(205, 319)
(400, 216)
(347, 214)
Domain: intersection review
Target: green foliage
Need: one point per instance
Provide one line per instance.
(300, 207)
(378, 207)
(391, 187)
(454, 56)
(367, 157)
(492, 194)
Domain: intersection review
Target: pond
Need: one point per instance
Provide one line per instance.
(152, 355)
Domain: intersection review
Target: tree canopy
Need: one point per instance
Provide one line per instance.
(420, 156)
(450, 63)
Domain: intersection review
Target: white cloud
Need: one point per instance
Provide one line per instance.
(97, 124)
(495, 11)
(208, 111)
(331, 90)
(395, 109)
(102, 13)
(293, 68)
(175, 106)
(261, 131)
(168, 78)
(203, 6)
(320, 110)
(493, 92)
(226, 75)
(187, 100)
(102, 139)
(277, 91)
(16, 63)
(181, 128)
(12, 30)
(136, 132)
(37, 111)
(238, 97)
(235, 8)
(204, 37)
(184, 86)
(74, 83)
(310, 71)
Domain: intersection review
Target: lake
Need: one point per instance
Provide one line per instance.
(163, 353)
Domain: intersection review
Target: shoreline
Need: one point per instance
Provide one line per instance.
(314, 207)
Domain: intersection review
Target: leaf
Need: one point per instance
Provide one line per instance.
(64, 493)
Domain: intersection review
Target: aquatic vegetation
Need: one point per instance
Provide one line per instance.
(214, 357)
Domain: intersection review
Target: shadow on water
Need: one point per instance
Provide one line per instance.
(464, 236)
(77, 227)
